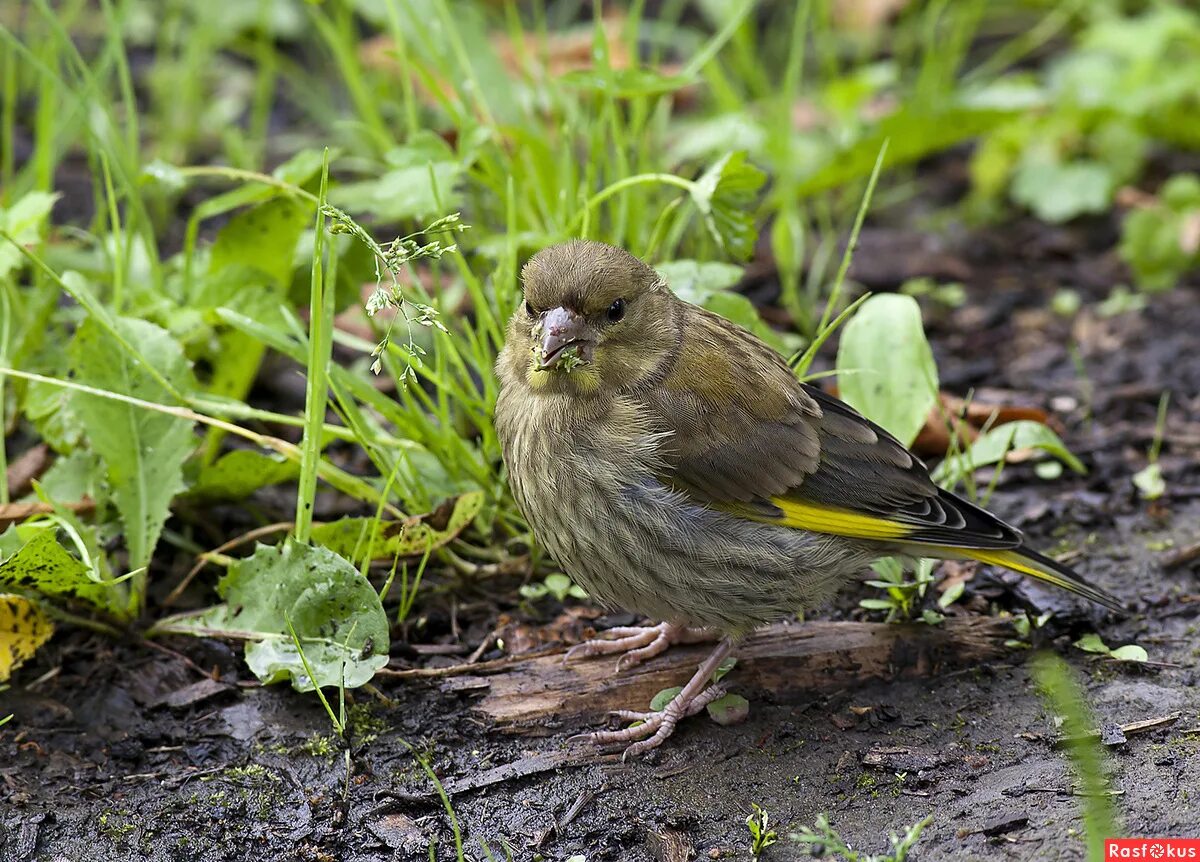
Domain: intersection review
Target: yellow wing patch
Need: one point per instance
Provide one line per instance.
(23, 628)
(1014, 561)
(840, 522)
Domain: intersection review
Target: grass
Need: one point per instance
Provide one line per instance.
(1085, 753)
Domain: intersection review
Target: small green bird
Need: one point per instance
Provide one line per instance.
(674, 466)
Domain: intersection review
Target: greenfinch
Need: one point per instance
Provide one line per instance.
(674, 466)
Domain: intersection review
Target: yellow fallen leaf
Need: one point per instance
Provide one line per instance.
(23, 628)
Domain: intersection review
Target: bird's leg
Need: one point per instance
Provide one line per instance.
(655, 727)
(639, 643)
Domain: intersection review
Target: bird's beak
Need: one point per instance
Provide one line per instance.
(562, 340)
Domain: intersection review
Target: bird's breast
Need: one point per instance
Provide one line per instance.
(590, 486)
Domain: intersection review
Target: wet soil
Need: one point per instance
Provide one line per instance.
(124, 751)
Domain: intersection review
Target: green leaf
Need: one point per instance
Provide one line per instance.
(1149, 482)
(1130, 652)
(1058, 192)
(659, 702)
(262, 238)
(694, 282)
(238, 474)
(41, 564)
(912, 132)
(706, 284)
(623, 83)
(24, 220)
(877, 604)
(335, 611)
(885, 367)
(23, 628)
(421, 182)
(1092, 643)
(50, 409)
(1154, 239)
(952, 594)
(724, 668)
(725, 195)
(73, 477)
(559, 585)
(408, 538)
(143, 450)
(992, 447)
(730, 709)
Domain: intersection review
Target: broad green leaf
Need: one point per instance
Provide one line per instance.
(262, 238)
(1153, 239)
(50, 408)
(143, 450)
(421, 181)
(41, 564)
(352, 537)
(694, 282)
(992, 447)
(24, 220)
(1092, 643)
(730, 709)
(23, 628)
(725, 195)
(336, 614)
(303, 166)
(885, 367)
(1130, 652)
(73, 477)
(706, 284)
(238, 474)
(1059, 192)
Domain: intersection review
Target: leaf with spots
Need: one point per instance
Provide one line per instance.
(336, 614)
(142, 450)
(23, 628)
(36, 561)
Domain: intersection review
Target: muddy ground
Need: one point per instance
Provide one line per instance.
(123, 751)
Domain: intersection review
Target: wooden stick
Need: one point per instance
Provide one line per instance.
(542, 695)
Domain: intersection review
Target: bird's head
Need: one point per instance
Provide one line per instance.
(595, 319)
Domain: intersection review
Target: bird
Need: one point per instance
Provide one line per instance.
(674, 466)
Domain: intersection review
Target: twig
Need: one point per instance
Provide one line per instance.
(1181, 557)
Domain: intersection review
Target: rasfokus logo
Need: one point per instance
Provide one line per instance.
(1152, 848)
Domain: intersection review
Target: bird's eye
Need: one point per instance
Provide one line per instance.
(529, 309)
(616, 311)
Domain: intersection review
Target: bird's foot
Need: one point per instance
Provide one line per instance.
(639, 643)
(655, 727)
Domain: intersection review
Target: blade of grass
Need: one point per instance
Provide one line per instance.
(320, 350)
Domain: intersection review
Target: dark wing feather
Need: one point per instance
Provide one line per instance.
(866, 470)
(747, 436)
(740, 428)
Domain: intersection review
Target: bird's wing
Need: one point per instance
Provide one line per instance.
(747, 437)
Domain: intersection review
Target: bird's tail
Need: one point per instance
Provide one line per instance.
(1043, 568)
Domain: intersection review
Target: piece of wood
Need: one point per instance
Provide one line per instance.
(542, 695)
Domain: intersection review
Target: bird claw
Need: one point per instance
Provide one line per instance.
(638, 643)
(654, 727)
